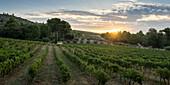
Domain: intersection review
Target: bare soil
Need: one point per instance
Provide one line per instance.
(48, 74)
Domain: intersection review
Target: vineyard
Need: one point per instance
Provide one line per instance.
(25, 62)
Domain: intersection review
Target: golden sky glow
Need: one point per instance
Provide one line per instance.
(114, 30)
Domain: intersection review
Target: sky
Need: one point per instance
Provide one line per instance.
(95, 15)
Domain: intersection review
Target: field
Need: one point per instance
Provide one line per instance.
(25, 62)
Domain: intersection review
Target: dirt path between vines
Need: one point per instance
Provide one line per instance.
(19, 75)
(77, 77)
(48, 74)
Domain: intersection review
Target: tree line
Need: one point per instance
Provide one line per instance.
(55, 29)
(154, 38)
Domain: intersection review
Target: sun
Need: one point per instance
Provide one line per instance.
(114, 30)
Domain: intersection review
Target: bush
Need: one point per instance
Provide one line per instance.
(69, 36)
(167, 43)
(81, 41)
(45, 39)
(134, 75)
(75, 41)
(95, 42)
(68, 41)
(102, 77)
(167, 47)
(88, 41)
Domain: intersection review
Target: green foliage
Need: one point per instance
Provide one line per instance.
(134, 75)
(12, 23)
(32, 31)
(127, 62)
(13, 55)
(34, 68)
(45, 31)
(59, 28)
(54, 24)
(24, 29)
(167, 47)
(11, 33)
(137, 38)
(45, 39)
(65, 75)
(164, 73)
(167, 32)
(95, 42)
(64, 72)
(88, 41)
(11, 29)
(98, 74)
(69, 36)
(102, 77)
(75, 41)
(151, 38)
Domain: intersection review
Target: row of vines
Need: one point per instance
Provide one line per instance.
(14, 52)
(130, 64)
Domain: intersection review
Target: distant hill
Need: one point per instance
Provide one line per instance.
(6, 16)
(86, 32)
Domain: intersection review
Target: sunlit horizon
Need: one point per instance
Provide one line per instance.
(114, 30)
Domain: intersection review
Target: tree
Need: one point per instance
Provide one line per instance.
(23, 27)
(167, 33)
(152, 37)
(161, 40)
(11, 29)
(58, 27)
(32, 31)
(65, 28)
(45, 31)
(133, 39)
(124, 36)
(155, 39)
(12, 23)
(11, 33)
(54, 25)
(140, 37)
(0, 31)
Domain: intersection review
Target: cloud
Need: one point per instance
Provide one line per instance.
(129, 0)
(131, 16)
(101, 11)
(141, 8)
(154, 18)
(29, 14)
(38, 19)
(72, 12)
